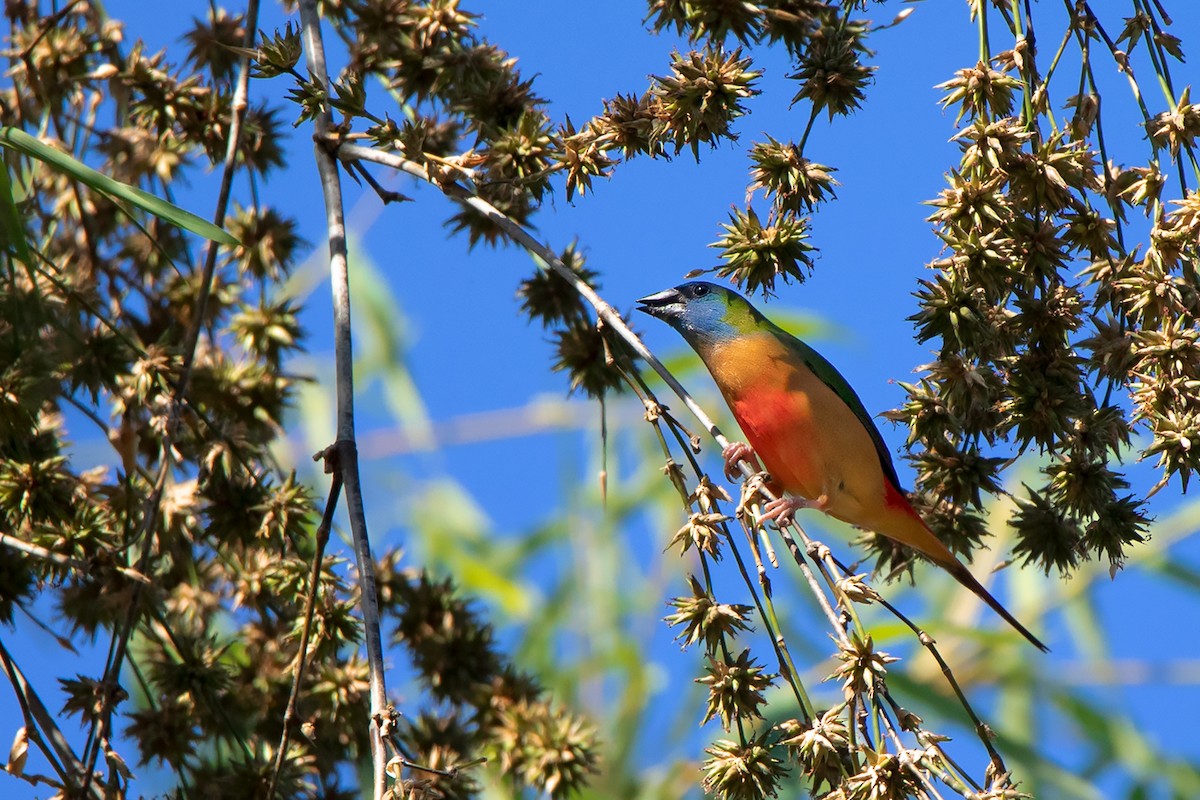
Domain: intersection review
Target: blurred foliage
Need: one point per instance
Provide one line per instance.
(1060, 336)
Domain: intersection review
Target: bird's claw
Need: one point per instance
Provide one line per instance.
(783, 510)
(735, 452)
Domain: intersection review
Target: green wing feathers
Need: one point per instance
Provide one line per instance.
(834, 380)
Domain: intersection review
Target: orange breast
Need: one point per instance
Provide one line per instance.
(779, 426)
(807, 437)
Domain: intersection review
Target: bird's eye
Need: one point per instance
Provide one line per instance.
(701, 290)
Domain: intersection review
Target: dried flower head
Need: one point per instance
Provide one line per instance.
(703, 95)
(862, 669)
(885, 776)
(795, 184)
(749, 771)
(756, 255)
(980, 92)
(546, 748)
(735, 688)
(593, 357)
(549, 297)
(821, 745)
(704, 619)
(1178, 129)
(831, 74)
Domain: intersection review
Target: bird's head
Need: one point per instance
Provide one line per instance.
(704, 313)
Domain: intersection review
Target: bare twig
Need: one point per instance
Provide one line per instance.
(331, 186)
(927, 641)
(603, 310)
(332, 466)
(40, 727)
(64, 560)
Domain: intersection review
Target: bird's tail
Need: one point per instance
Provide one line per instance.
(908, 528)
(964, 576)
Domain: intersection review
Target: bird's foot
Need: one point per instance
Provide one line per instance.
(735, 452)
(783, 510)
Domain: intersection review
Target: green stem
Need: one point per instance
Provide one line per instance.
(812, 117)
(1122, 65)
(1085, 51)
(877, 726)
(1158, 57)
(766, 610)
(1027, 87)
(985, 48)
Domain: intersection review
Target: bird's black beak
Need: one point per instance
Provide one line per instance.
(664, 305)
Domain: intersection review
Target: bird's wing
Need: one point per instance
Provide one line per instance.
(834, 380)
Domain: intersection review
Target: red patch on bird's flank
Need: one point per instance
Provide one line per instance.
(778, 426)
(894, 498)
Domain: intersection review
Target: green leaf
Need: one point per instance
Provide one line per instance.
(12, 232)
(22, 142)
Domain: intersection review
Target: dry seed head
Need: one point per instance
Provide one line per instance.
(735, 689)
(704, 531)
(862, 667)
(736, 771)
(704, 619)
(822, 746)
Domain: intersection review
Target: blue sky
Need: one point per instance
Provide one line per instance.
(471, 351)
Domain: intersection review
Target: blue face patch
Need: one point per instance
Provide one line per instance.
(706, 312)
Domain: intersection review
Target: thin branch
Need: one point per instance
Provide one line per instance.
(981, 728)
(330, 455)
(331, 186)
(39, 723)
(605, 311)
(65, 560)
(764, 602)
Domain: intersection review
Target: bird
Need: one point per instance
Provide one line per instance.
(805, 423)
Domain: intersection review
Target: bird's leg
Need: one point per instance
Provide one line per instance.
(784, 509)
(735, 452)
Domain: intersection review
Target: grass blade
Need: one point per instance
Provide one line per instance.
(22, 142)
